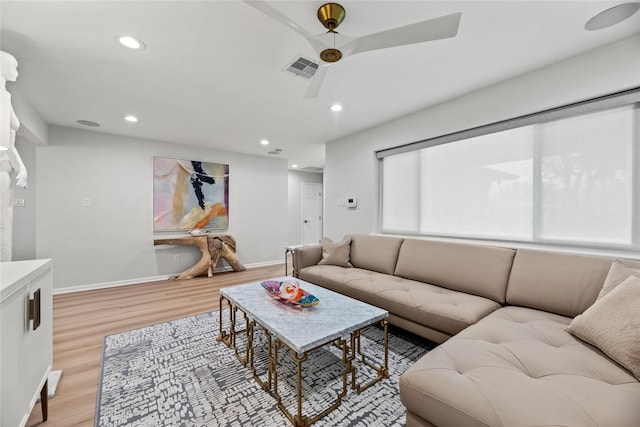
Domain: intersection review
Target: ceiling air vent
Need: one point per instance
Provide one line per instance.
(302, 67)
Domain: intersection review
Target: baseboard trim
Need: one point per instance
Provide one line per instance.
(136, 281)
(105, 285)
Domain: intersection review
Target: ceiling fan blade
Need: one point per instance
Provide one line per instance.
(442, 27)
(316, 82)
(275, 14)
(316, 43)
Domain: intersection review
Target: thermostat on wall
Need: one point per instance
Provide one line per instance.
(352, 202)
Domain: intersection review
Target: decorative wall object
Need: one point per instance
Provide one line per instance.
(189, 194)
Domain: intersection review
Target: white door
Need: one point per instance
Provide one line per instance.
(311, 213)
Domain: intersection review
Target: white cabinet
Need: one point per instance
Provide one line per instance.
(26, 347)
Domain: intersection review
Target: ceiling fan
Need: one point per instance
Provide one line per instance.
(331, 16)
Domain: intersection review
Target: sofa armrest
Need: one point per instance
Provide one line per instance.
(306, 256)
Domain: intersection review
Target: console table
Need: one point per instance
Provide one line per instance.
(26, 338)
(212, 247)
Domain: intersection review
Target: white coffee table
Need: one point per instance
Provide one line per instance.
(337, 320)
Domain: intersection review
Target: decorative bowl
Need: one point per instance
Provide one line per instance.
(290, 291)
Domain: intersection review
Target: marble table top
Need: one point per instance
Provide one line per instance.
(304, 328)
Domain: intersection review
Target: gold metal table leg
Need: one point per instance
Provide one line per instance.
(229, 338)
(266, 385)
(248, 330)
(300, 419)
(382, 370)
(224, 336)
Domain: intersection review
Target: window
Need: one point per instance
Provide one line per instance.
(555, 177)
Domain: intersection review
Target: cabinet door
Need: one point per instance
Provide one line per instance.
(38, 342)
(13, 316)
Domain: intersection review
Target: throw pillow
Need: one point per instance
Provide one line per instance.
(613, 325)
(618, 273)
(336, 253)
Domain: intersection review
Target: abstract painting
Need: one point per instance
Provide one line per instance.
(189, 194)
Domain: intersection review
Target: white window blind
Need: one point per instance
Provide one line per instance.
(586, 178)
(566, 181)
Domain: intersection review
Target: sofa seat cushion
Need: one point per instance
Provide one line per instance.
(519, 367)
(432, 306)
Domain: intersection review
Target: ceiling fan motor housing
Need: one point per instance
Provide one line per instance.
(331, 15)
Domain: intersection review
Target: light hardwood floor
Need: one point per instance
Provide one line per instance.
(82, 319)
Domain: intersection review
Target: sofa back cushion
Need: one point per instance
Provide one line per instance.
(376, 253)
(473, 269)
(561, 283)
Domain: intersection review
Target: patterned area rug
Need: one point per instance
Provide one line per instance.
(177, 374)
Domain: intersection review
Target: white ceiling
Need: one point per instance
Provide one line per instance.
(211, 74)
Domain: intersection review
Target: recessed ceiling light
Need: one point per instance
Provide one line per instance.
(264, 141)
(336, 107)
(3, 148)
(131, 119)
(88, 123)
(131, 42)
(294, 166)
(612, 16)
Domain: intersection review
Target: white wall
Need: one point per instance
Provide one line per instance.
(296, 179)
(112, 240)
(24, 217)
(351, 168)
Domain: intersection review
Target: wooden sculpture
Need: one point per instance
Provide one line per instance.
(212, 247)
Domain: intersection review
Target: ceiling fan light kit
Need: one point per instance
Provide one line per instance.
(331, 55)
